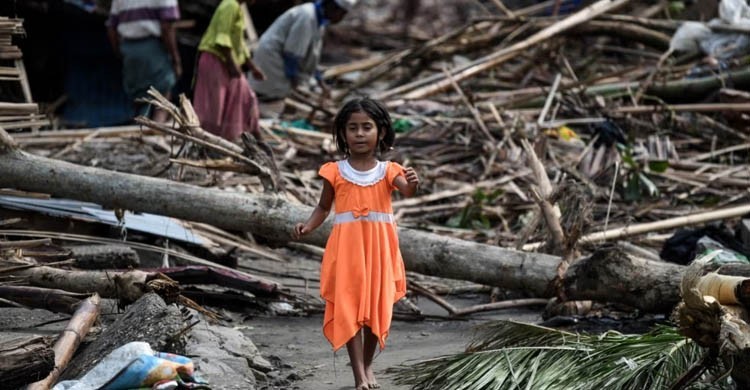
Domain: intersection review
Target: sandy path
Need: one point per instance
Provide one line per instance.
(299, 343)
(306, 357)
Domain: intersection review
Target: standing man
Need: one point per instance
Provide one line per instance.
(289, 51)
(142, 34)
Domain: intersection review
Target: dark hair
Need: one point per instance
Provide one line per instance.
(376, 111)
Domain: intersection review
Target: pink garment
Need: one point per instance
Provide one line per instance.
(226, 106)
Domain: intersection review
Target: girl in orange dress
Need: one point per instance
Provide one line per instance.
(362, 275)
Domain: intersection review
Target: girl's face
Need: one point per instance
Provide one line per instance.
(361, 135)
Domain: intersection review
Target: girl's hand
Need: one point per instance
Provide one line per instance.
(299, 230)
(411, 176)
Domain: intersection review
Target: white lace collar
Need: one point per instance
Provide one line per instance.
(362, 178)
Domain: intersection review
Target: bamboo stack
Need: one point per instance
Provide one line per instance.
(8, 28)
(16, 115)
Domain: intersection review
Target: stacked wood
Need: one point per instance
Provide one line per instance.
(8, 28)
(16, 115)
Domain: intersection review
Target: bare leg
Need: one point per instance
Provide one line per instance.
(371, 344)
(356, 357)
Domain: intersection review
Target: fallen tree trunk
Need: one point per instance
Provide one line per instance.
(56, 301)
(127, 286)
(611, 275)
(273, 217)
(265, 215)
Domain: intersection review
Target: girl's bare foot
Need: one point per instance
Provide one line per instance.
(363, 386)
(372, 382)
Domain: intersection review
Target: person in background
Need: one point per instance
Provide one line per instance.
(223, 99)
(142, 33)
(289, 51)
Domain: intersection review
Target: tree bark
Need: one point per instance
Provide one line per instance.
(648, 285)
(56, 301)
(25, 359)
(611, 275)
(127, 286)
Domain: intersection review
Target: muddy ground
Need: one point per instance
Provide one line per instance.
(305, 359)
(308, 362)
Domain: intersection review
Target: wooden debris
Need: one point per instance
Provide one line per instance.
(70, 339)
(25, 359)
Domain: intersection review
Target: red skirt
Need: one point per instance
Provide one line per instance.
(226, 106)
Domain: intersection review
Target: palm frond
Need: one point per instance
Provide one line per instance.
(511, 355)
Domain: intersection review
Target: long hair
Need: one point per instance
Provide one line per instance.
(376, 111)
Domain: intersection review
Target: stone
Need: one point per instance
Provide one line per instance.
(225, 357)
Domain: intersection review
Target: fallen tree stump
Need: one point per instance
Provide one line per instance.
(25, 359)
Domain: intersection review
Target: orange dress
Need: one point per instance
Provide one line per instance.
(362, 274)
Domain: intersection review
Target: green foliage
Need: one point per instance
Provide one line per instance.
(402, 125)
(636, 182)
(510, 355)
(676, 7)
(471, 216)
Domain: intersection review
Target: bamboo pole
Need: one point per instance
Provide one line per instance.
(70, 339)
(670, 223)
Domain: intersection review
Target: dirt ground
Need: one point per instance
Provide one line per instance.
(305, 359)
(308, 363)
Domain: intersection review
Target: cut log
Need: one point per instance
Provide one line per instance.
(104, 256)
(25, 359)
(648, 285)
(56, 301)
(128, 286)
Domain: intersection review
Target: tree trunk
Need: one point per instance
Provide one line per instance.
(56, 301)
(128, 286)
(25, 359)
(611, 275)
(265, 215)
(273, 217)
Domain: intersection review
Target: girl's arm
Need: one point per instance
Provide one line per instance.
(318, 215)
(408, 183)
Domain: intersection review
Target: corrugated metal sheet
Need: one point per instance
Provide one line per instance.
(92, 212)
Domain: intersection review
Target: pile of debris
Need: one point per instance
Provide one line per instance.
(549, 134)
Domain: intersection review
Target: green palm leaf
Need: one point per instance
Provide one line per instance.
(511, 355)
